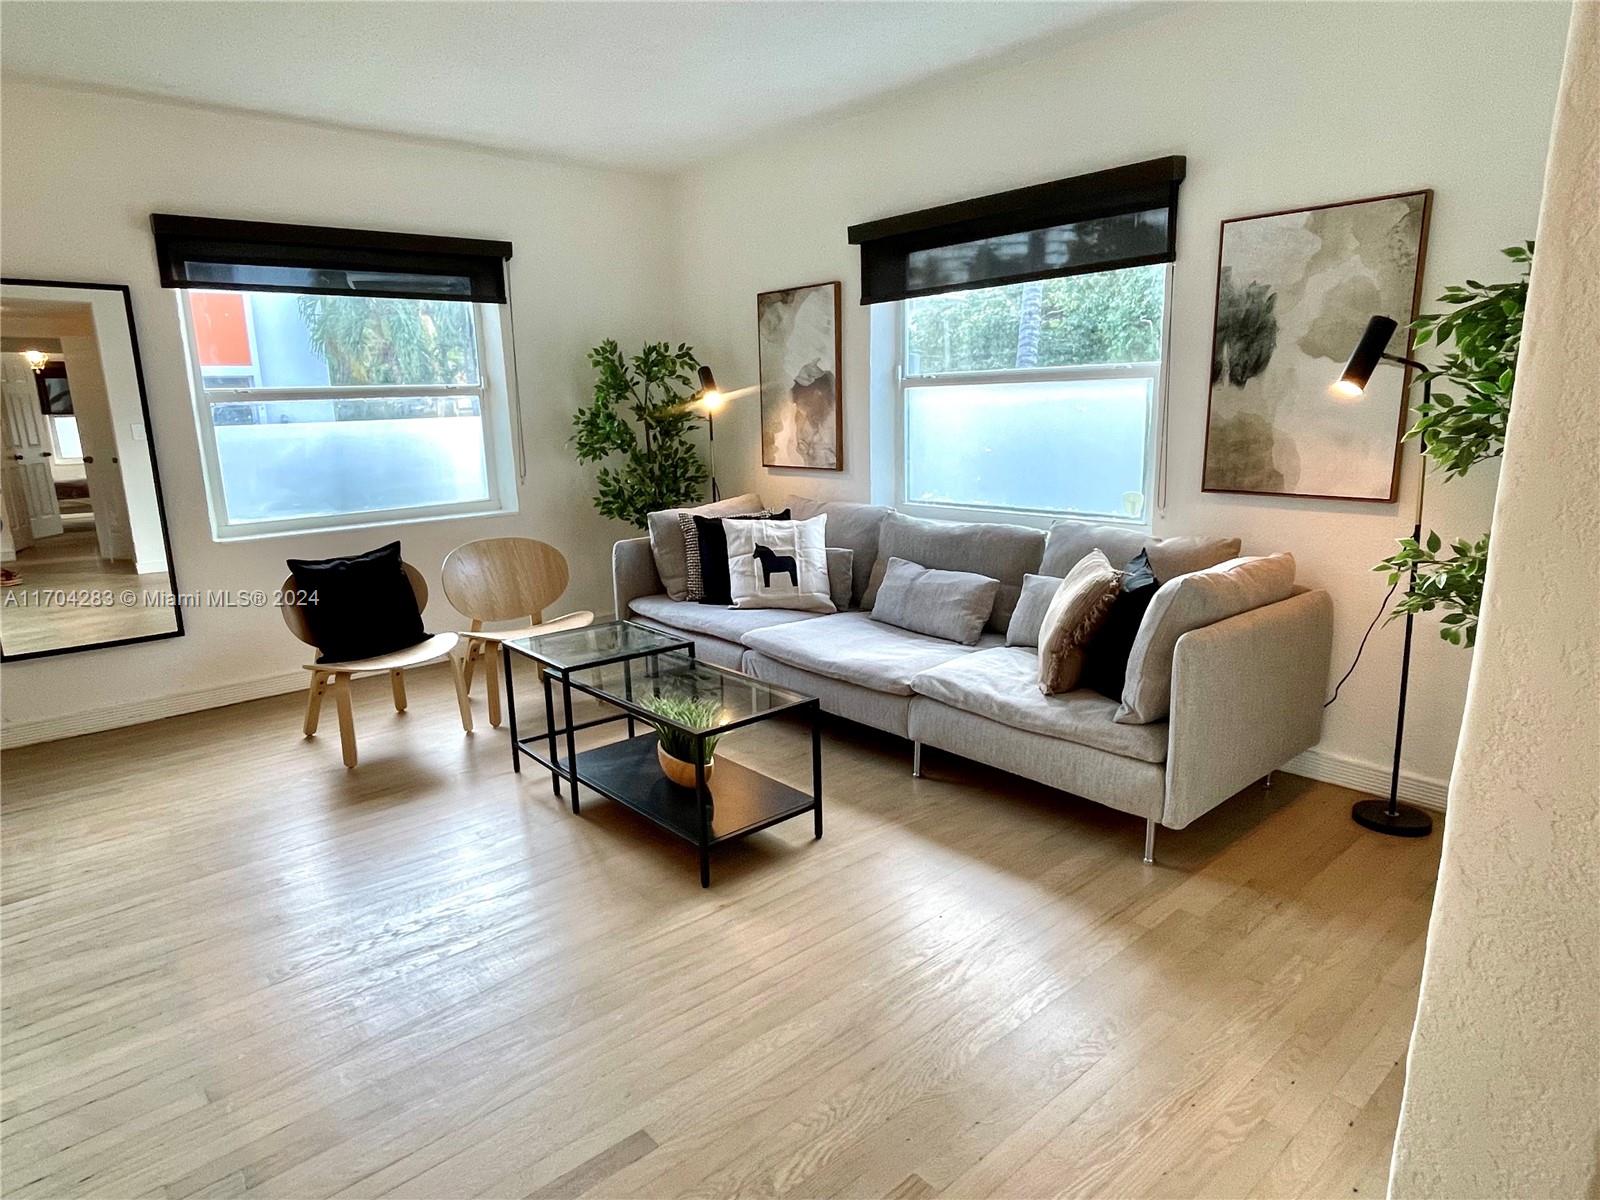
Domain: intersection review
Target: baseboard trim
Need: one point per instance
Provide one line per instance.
(1368, 777)
(117, 716)
(51, 729)
(1314, 764)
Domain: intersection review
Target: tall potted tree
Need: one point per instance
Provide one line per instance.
(1460, 428)
(637, 426)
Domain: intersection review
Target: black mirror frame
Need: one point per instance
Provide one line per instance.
(155, 476)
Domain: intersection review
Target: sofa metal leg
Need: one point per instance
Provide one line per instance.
(1267, 786)
(916, 760)
(1150, 840)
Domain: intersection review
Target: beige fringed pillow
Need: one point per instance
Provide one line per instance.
(1080, 606)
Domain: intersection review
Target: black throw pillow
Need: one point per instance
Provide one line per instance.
(1105, 658)
(716, 586)
(363, 605)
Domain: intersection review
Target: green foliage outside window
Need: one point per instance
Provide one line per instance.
(1105, 317)
(377, 340)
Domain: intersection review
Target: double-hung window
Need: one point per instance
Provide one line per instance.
(1034, 398)
(341, 381)
(1029, 331)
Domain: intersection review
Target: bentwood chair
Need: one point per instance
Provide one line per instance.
(336, 676)
(505, 579)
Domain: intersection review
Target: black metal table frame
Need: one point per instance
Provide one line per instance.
(632, 712)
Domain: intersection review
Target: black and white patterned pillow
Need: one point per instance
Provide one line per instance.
(694, 565)
(694, 575)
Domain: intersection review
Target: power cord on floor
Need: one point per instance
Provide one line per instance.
(1355, 662)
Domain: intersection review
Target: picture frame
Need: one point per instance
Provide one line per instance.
(1295, 288)
(800, 358)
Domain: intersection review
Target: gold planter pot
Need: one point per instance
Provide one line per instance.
(680, 772)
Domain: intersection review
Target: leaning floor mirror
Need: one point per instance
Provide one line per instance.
(83, 535)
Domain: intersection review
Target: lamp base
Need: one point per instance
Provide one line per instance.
(1407, 821)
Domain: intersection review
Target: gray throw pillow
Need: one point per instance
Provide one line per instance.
(1028, 617)
(666, 538)
(1002, 552)
(1190, 602)
(840, 577)
(1169, 557)
(853, 527)
(953, 605)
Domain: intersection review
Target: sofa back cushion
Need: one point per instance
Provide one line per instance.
(841, 563)
(953, 605)
(1169, 557)
(666, 538)
(852, 527)
(1189, 602)
(1002, 552)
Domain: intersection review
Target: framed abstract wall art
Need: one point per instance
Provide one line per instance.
(802, 413)
(1294, 292)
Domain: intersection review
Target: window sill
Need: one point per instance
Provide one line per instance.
(249, 533)
(1006, 516)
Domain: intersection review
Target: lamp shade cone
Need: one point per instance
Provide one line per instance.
(1364, 359)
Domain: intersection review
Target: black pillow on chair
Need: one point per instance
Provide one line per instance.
(716, 588)
(1105, 657)
(364, 604)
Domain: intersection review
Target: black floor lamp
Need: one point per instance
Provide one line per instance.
(1391, 817)
(710, 401)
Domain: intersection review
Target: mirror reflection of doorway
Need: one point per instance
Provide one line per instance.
(68, 468)
(83, 546)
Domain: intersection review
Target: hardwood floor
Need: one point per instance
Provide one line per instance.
(232, 967)
(34, 617)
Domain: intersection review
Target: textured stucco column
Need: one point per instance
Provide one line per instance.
(1502, 1090)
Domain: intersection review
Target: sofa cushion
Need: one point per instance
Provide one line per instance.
(954, 605)
(1169, 557)
(856, 649)
(666, 538)
(1002, 684)
(705, 553)
(853, 527)
(841, 576)
(1032, 604)
(779, 564)
(1191, 602)
(730, 624)
(1003, 552)
(1105, 658)
(1077, 610)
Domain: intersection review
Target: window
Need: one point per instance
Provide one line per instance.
(319, 411)
(1034, 397)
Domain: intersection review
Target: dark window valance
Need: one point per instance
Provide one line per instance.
(262, 256)
(1124, 217)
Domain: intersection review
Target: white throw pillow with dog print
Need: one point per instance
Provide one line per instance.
(779, 564)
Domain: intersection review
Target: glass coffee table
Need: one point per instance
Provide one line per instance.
(628, 666)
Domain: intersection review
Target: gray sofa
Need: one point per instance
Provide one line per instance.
(1247, 691)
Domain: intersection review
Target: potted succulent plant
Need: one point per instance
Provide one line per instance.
(675, 749)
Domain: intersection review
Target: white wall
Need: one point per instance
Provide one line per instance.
(1503, 1083)
(82, 174)
(1275, 105)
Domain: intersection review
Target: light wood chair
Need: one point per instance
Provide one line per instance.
(336, 676)
(505, 579)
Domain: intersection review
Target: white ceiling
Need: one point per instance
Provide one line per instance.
(644, 85)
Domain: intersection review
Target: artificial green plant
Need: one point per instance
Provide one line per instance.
(638, 426)
(1459, 428)
(695, 713)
